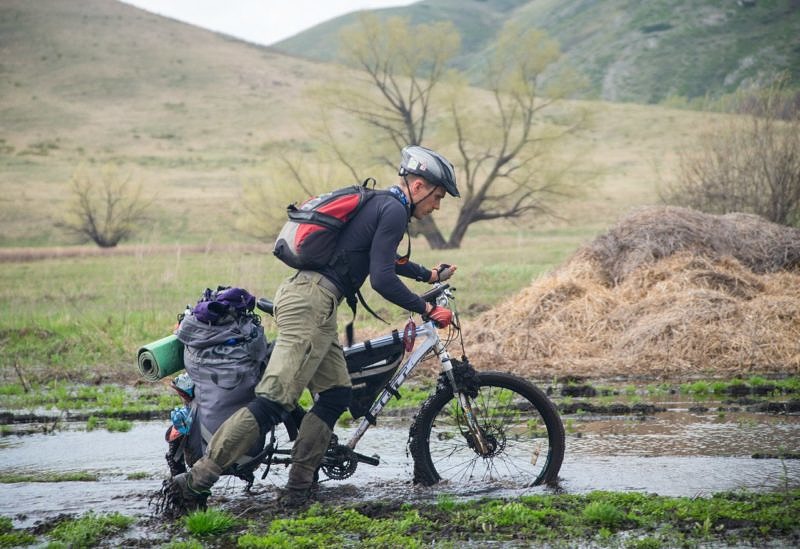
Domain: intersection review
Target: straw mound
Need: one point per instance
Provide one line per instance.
(667, 292)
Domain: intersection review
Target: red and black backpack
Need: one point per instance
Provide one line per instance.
(308, 239)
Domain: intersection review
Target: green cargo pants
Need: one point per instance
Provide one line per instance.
(307, 353)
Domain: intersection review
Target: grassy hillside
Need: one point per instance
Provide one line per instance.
(99, 81)
(631, 51)
(193, 114)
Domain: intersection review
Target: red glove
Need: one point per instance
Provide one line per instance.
(441, 316)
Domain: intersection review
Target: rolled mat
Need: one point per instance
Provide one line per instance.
(161, 358)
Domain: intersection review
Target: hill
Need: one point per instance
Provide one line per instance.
(192, 115)
(94, 81)
(630, 51)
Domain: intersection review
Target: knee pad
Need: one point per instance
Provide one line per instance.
(267, 413)
(332, 403)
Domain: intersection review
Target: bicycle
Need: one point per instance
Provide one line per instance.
(477, 425)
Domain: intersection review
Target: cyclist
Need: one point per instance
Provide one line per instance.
(307, 352)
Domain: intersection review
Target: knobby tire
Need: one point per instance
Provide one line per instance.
(524, 427)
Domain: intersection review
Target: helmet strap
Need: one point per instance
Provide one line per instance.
(402, 260)
(410, 197)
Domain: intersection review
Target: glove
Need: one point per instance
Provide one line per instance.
(441, 316)
(442, 272)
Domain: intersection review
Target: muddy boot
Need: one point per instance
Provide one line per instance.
(188, 492)
(307, 453)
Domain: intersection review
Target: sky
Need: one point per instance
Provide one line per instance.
(260, 21)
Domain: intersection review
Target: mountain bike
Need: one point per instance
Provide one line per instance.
(476, 426)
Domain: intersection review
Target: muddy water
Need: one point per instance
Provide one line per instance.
(673, 453)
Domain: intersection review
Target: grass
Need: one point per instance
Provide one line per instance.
(84, 319)
(88, 530)
(110, 424)
(597, 519)
(603, 518)
(11, 538)
(211, 522)
(104, 401)
(79, 476)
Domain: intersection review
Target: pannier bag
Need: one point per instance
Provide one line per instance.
(225, 353)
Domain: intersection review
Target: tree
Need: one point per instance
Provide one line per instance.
(750, 163)
(293, 177)
(498, 146)
(404, 65)
(104, 206)
(503, 151)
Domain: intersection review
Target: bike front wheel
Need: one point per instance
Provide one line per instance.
(523, 436)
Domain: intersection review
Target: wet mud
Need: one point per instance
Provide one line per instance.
(671, 448)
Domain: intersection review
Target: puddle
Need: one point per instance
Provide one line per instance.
(671, 453)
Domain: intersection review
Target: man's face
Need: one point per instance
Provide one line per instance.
(427, 198)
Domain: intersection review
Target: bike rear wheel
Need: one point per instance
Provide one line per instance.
(524, 432)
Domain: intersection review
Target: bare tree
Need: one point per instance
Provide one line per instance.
(499, 145)
(751, 163)
(504, 147)
(404, 64)
(292, 176)
(104, 206)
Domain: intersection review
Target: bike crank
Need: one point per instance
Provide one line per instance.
(340, 462)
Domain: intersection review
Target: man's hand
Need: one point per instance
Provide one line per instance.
(441, 316)
(442, 272)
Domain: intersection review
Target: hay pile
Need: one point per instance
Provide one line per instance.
(667, 292)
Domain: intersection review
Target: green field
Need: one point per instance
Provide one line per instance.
(85, 317)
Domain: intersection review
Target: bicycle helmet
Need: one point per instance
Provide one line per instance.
(430, 165)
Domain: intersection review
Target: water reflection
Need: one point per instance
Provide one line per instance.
(674, 453)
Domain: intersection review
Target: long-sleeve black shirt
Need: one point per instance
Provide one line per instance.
(370, 242)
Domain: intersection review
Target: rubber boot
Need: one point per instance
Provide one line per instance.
(307, 453)
(189, 491)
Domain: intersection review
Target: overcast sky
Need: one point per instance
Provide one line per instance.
(260, 21)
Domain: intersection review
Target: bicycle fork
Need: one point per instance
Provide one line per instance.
(481, 445)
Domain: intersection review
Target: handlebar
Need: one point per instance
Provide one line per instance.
(431, 295)
(266, 305)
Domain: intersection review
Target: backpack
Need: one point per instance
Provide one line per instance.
(225, 353)
(308, 239)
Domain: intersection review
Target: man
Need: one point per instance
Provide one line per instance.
(307, 352)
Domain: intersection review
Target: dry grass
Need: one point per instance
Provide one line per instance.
(64, 252)
(667, 292)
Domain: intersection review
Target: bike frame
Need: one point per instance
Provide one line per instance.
(431, 341)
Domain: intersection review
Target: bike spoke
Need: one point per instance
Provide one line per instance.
(509, 424)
